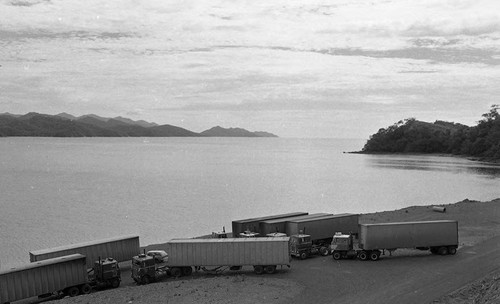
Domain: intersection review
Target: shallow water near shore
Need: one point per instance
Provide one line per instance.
(58, 191)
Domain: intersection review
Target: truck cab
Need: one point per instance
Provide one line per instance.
(143, 269)
(300, 245)
(107, 272)
(342, 242)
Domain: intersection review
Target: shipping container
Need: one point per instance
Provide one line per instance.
(323, 228)
(252, 224)
(121, 248)
(409, 235)
(228, 252)
(43, 277)
(279, 225)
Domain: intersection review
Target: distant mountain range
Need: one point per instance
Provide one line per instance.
(67, 125)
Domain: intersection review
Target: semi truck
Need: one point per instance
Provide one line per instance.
(314, 235)
(242, 228)
(279, 225)
(214, 255)
(66, 275)
(121, 248)
(440, 237)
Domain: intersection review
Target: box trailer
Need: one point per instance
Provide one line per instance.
(440, 237)
(279, 225)
(121, 248)
(263, 254)
(252, 224)
(324, 227)
(66, 275)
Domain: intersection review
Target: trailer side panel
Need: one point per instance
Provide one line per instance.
(119, 248)
(279, 225)
(228, 252)
(252, 224)
(42, 277)
(408, 235)
(324, 227)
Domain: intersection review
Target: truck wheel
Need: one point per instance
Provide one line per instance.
(176, 272)
(374, 255)
(85, 289)
(363, 255)
(443, 250)
(337, 256)
(73, 291)
(270, 269)
(187, 271)
(323, 251)
(145, 280)
(303, 256)
(258, 269)
(115, 283)
(452, 250)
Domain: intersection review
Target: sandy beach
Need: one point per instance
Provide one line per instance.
(408, 276)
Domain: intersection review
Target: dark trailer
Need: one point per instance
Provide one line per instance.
(279, 225)
(252, 224)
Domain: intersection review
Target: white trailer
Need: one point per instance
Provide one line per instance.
(121, 248)
(440, 237)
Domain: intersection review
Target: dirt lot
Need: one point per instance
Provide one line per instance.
(408, 276)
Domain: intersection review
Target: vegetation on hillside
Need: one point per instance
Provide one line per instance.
(413, 136)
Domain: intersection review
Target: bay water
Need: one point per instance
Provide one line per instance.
(60, 191)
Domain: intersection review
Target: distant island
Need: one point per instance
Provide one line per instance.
(412, 136)
(67, 125)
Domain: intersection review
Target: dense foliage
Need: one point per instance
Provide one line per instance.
(413, 136)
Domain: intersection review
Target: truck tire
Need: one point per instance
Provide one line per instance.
(443, 251)
(115, 283)
(363, 255)
(258, 269)
(145, 280)
(303, 256)
(73, 291)
(323, 251)
(187, 271)
(270, 269)
(336, 255)
(452, 250)
(374, 255)
(85, 289)
(176, 272)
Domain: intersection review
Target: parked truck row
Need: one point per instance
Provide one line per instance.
(76, 269)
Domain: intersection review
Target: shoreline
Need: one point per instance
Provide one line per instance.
(471, 158)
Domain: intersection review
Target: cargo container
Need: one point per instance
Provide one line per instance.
(440, 237)
(314, 235)
(120, 248)
(66, 275)
(263, 254)
(252, 224)
(279, 225)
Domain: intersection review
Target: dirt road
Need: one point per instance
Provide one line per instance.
(407, 277)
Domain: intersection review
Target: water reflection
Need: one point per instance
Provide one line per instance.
(434, 163)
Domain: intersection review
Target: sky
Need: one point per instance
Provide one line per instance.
(295, 68)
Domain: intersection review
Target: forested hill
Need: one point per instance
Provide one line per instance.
(413, 136)
(66, 125)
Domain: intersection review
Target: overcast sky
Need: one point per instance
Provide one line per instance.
(308, 68)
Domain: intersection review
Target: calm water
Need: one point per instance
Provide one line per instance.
(61, 191)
